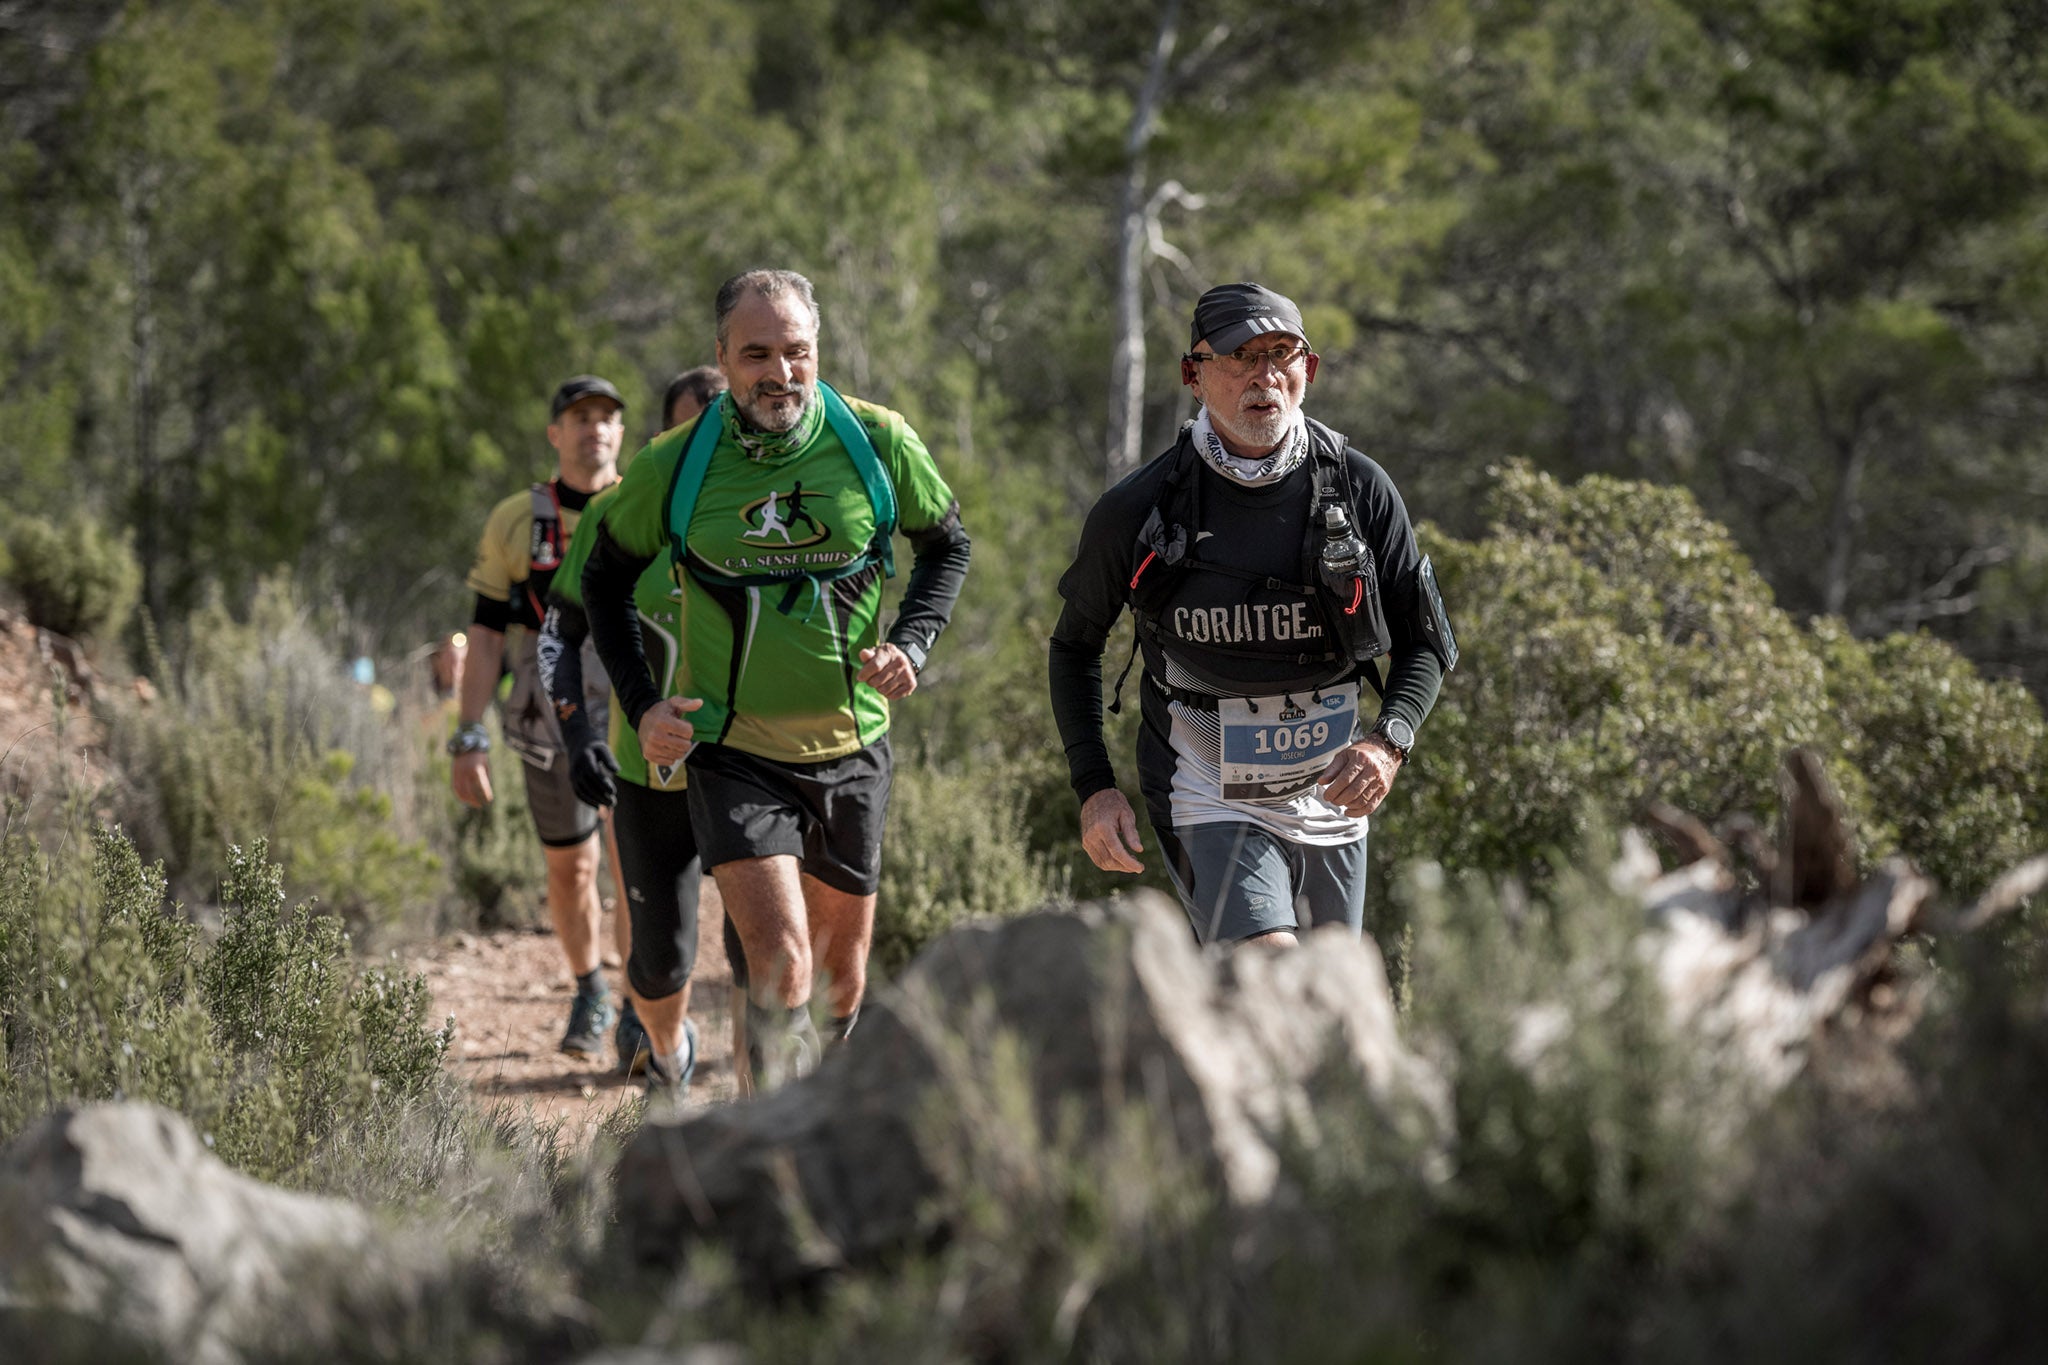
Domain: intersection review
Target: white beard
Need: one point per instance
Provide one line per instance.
(1290, 450)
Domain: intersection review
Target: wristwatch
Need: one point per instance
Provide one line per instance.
(470, 739)
(915, 653)
(1398, 733)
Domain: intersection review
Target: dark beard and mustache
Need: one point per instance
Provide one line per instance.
(755, 406)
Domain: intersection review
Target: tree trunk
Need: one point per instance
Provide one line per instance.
(1852, 455)
(1126, 436)
(137, 200)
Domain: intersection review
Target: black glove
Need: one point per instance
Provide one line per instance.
(592, 768)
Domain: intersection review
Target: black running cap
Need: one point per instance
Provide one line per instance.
(574, 391)
(1231, 314)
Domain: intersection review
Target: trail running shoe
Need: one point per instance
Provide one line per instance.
(631, 1040)
(782, 1045)
(589, 1017)
(666, 1093)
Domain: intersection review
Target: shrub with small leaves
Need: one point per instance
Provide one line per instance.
(1618, 648)
(259, 732)
(76, 576)
(956, 849)
(269, 1040)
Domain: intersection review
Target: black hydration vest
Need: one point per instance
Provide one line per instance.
(543, 554)
(1204, 614)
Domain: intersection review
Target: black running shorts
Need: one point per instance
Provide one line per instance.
(826, 815)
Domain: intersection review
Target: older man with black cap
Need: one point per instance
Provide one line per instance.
(1269, 567)
(521, 547)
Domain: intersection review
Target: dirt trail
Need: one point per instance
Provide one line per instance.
(509, 991)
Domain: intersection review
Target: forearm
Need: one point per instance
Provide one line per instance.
(1413, 683)
(561, 668)
(480, 673)
(614, 625)
(1074, 672)
(936, 575)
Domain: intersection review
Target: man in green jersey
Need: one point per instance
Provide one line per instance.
(777, 518)
(659, 870)
(688, 394)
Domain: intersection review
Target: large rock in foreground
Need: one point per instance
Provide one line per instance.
(1108, 1002)
(117, 1212)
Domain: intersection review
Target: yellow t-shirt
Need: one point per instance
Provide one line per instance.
(505, 570)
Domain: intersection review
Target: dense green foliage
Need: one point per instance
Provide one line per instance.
(289, 284)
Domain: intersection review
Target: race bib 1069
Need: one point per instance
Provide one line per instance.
(1275, 747)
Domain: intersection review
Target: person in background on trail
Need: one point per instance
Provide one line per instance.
(657, 854)
(520, 550)
(688, 394)
(444, 663)
(781, 699)
(1269, 566)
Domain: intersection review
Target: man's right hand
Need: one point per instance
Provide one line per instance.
(665, 734)
(1109, 831)
(470, 775)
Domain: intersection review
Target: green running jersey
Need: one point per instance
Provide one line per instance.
(775, 663)
(658, 602)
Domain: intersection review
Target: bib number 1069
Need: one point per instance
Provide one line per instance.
(1282, 740)
(1275, 747)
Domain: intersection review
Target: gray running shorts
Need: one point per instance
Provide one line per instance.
(559, 818)
(532, 732)
(1237, 881)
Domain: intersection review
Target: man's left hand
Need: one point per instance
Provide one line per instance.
(1360, 775)
(887, 669)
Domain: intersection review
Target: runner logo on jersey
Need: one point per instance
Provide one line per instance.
(782, 520)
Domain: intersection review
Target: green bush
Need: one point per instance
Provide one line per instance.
(1957, 763)
(498, 869)
(259, 733)
(75, 576)
(1618, 649)
(955, 849)
(268, 1039)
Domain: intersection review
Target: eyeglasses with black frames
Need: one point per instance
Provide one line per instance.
(1238, 364)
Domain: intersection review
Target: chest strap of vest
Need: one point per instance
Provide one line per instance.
(544, 547)
(1203, 701)
(860, 448)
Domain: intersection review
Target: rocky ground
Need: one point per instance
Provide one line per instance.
(48, 740)
(508, 993)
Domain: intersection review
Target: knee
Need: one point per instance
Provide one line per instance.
(664, 950)
(656, 980)
(576, 863)
(660, 963)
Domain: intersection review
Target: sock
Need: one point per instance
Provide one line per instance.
(782, 1044)
(591, 983)
(669, 1065)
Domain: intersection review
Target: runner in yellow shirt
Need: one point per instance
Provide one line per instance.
(521, 548)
